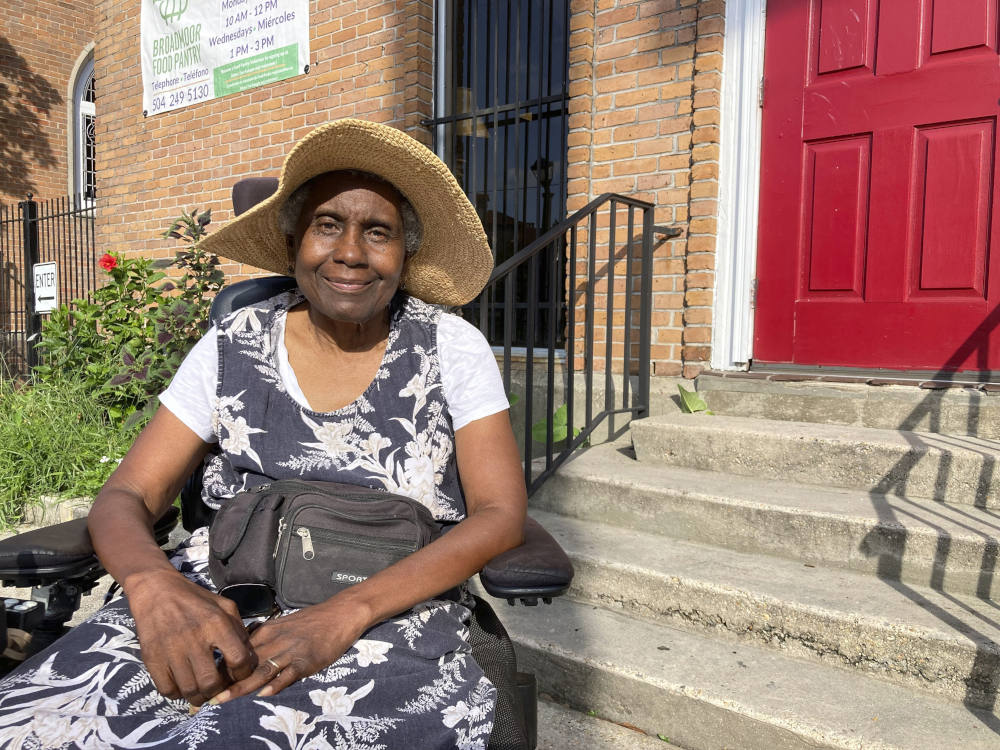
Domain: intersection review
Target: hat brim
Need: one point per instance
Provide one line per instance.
(454, 261)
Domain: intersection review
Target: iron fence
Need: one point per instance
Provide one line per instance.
(60, 230)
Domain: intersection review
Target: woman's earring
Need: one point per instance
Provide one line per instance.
(291, 269)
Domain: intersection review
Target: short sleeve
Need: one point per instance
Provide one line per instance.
(471, 378)
(191, 394)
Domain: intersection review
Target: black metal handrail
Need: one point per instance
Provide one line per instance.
(558, 247)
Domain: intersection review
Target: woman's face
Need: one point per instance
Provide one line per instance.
(348, 249)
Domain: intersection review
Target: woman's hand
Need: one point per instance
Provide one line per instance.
(296, 646)
(180, 625)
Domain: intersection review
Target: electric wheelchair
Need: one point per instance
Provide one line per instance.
(59, 564)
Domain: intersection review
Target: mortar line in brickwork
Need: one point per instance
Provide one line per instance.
(691, 163)
(593, 103)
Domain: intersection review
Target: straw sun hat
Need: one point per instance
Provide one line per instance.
(454, 261)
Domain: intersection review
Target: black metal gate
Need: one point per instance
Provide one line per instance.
(59, 230)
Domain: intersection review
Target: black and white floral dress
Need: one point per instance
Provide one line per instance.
(409, 682)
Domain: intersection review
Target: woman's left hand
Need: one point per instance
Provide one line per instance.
(295, 646)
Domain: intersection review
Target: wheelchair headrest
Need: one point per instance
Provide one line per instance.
(250, 191)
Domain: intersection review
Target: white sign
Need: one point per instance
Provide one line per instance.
(196, 50)
(46, 287)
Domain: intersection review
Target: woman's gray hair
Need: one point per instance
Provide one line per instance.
(413, 230)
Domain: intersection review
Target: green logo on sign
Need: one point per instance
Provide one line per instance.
(171, 10)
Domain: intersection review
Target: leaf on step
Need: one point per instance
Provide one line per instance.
(691, 402)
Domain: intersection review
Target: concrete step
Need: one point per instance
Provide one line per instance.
(913, 636)
(561, 728)
(703, 692)
(956, 411)
(957, 469)
(952, 548)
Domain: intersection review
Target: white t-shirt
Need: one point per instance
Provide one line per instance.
(472, 384)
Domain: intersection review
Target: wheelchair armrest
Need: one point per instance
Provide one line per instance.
(60, 551)
(539, 568)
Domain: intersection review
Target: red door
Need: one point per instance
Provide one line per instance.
(878, 235)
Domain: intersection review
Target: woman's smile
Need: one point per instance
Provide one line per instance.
(347, 286)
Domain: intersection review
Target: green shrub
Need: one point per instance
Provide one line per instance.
(54, 440)
(104, 362)
(127, 341)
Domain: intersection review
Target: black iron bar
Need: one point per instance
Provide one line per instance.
(22, 300)
(506, 128)
(48, 231)
(508, 330)
(472, 161)
(83, 263)
(609, 385)
(627, 358)
(89, 231)
(489, 176)
(494, 134)
(513, 108)
(5, 304)
(79, 252)
(563, 147)
(529, 367)
(68, 276)
(472, 152)
(541, 144)
(571, 333)
(67, 283)
(542, 90)
(517, 200)
(500, 205)
(521, 217)
(29, 243)
(589, 312)
(550, 384)
(57, 237)
(645, 312)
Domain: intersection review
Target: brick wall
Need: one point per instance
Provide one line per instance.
(644, 121)
(40, 43)
(369, 58)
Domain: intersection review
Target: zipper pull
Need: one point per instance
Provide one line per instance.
(277, 542)
(307, 543)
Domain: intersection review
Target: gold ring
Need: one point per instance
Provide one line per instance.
(274, 664)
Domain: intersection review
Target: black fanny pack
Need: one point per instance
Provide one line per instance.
(300, 542)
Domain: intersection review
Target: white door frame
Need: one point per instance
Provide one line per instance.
(739, 185)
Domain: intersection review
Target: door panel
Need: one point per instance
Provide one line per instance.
(960, 24)
(837, 215)
(878, 184)
(954, 166)
(846, 35)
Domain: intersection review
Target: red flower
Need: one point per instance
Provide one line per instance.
(107, 261)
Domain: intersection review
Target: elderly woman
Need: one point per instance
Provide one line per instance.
(351, 377)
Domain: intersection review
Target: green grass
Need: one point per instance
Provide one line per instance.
(52, 440)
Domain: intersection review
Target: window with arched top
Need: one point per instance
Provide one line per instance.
(85, 116)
